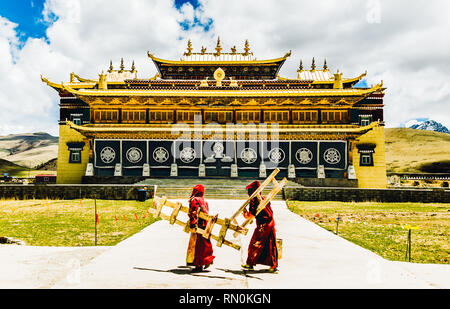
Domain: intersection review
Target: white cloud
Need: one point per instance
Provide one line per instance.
(405, 45)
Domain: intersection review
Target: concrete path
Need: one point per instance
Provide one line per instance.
(312, 258)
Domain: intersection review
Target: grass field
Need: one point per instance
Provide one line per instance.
(71, 222)
(381, 227)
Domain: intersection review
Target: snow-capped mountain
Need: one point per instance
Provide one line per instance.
(429, 125)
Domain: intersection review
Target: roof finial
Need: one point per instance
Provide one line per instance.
(133, 68)
(233, 49)
(203, 50)
(218, 47)
(246, 48)
(122, 67)
(325, 66)
(111, 68)
(189, 48)
(300, 68)
(313, 64)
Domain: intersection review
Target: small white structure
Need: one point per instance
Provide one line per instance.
(234, 171)
(90, 169)
(291, 171)
(262, 171)
(351, 174)
(173, 170)
(146, 169)
(201, 170)
(321, 171)
(118, 169)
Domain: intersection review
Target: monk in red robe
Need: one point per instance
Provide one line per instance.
(200, 251)
(263, 244)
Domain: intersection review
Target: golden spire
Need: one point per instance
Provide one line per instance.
(122, 67)
(300, 68)
(325, 66)
(246, 48)
(313, 64)
(133, 68)
(111, 68)
(218, 47)
(189, 48)
(203, 50)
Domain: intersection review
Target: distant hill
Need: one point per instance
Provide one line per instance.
(417, 151)
(11, 168)
(430, 125)
(48, 166)
(28, 149)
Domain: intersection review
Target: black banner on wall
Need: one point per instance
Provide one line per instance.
(275, 154)
(134, 153)
(187, 153)
(160, 153)
(106, 153)
(248, 154)
(218, 153)
(333, 154)
(304, 154)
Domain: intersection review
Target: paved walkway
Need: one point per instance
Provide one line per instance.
(155, 258)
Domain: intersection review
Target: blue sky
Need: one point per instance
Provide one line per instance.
(27, 14)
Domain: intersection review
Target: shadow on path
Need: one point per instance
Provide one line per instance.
(185, 271)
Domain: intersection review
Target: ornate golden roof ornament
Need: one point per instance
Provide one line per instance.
(338, 80)
(204, 82)
(233, 83)
(122, 67)
(102, 85)
(111, 68)
(233, 49)
(133, 68)
(300, 68)
(203, 50)
(189, 48)
(246, 48)
(72, 77)
(218, 47)
(313, 65)
(325, 66)
(219, 74)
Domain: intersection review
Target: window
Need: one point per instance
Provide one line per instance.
(301, 117)
(366, 159)
(75, 156)
(133, 116)
(106, 116)
(187, 116)
(248, 116)
(219, 116)
(333, 116)
(276, 116)
(160, 116)
(365, 120)
(77, 121)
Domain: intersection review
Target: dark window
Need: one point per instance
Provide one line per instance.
(75, 156)
(366, 159)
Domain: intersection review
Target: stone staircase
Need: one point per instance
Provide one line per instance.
(215, 188)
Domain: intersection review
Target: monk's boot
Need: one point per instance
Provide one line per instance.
(273, 270)
(248, 267)
(197, 269)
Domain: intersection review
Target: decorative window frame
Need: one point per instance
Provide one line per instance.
(366, 151)
(365, 120)
(75, 149)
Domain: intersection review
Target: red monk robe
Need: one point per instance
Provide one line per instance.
(200, 251)
(263, 246)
